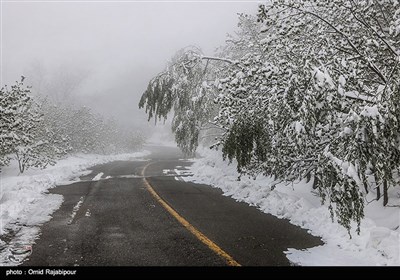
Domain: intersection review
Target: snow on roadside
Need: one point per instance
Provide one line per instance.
(98, 176)
(378, 243)
(76, 209)
(25, 203)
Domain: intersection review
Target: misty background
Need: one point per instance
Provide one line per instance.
(102, 54)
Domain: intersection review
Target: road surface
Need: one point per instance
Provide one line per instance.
(124, 220)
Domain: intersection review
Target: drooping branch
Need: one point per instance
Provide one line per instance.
(218, 59)
(370, 64)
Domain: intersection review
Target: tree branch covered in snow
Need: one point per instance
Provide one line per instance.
(313, 92)
(184, 88)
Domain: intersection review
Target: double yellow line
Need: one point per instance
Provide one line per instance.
(198, 234)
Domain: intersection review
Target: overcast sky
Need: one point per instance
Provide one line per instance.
(116, 46)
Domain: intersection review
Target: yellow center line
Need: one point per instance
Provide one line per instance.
(198, 234)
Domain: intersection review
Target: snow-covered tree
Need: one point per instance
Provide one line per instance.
(19, 117)
(308, 89)
(351, 49)
(54, 128)
(80, 130)
(186, 87)
(37, 133)
(22, 129)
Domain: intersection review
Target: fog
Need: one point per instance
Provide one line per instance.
(102, 54)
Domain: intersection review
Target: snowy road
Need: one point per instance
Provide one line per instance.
(111, 217)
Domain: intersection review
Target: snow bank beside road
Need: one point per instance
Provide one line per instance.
(25, 203)
(378, 243)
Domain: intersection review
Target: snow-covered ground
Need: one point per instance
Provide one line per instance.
(25, 203)
(377, 244)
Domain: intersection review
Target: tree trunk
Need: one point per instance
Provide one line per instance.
(378, 192)
(21, 166)
(366, 187)
(315, 183)
(385, 193)
(20, 163)
(308, 177)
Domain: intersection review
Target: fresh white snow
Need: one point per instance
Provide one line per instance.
(98, 176)
(25, 203)
(76, 209)
(377, 244)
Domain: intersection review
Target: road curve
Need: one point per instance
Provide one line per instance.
(120, 221)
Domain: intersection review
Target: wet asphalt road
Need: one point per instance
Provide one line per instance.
(120, 223)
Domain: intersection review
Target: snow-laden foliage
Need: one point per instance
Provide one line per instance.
(12, 104)
(80, 130)
(349, 51)
(21, 134)
(26, 133)
(184, 87)
(306, 89)
(38, 132)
